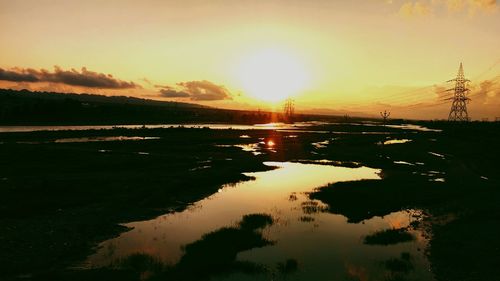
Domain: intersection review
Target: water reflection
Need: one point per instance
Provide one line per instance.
(413, 127)
(254, 148)
(93, 139)
(269, 126)
(98, 139)
(321, 144)
(251, 147)
(308, 242)
(396, 141)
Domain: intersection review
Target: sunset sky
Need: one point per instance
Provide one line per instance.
(356, 57)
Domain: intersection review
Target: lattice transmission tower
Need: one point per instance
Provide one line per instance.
(458, 110)
(289, 109)
(385, 116)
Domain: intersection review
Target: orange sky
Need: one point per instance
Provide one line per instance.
(330, 56)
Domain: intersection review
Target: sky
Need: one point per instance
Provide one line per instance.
(355, 57)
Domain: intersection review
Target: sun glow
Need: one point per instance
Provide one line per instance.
(272, 75)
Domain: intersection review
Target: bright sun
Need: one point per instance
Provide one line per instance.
(272, 75)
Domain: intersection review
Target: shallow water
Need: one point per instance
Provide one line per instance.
(396, 141)
(269, 126)
(99, 139)
(93, 139)
(413, 127)
(297, 127)
(324, 245)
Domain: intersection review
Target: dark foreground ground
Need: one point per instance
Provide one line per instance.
(59, 199)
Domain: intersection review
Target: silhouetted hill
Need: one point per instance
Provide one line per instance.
(46, 108)
(93, 98)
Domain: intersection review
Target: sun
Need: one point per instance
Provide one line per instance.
(272, 75)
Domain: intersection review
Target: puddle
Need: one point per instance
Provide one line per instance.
(348, 164)
(437, 155)
(321, 144)
(252, 147)
(396, 141)
(404, 163)
(413, 127)
(255, 148)
(317, 244)
(438, 180)
(200, 168)
(436, 176)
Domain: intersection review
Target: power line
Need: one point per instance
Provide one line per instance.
(497, 62)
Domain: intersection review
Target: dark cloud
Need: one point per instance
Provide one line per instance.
(18, 75)
(205, 90)
(196, 90)
(169, 92)
(83, 78)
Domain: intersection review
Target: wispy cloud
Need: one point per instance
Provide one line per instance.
(419, 8)
(415, 9)
(472, 7)
(487, 91)
(82, 78)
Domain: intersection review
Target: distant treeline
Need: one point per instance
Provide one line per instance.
(45, 108)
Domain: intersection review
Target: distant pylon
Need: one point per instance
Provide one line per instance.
(458, 110)
(385, 115)
(289, 109)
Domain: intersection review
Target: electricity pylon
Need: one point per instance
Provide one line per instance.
(385, 115)
(458, 110)
(289, 109)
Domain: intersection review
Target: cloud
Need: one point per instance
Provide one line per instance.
(471, 6)
(18, 75)
(83, 78)
(196, 90)
(169, 92)
(205, 90)
(415, 9)
(421, 8)
(441, 92)
(487, 92)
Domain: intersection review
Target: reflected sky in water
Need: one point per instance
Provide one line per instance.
(323, 244)
(297, 127)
